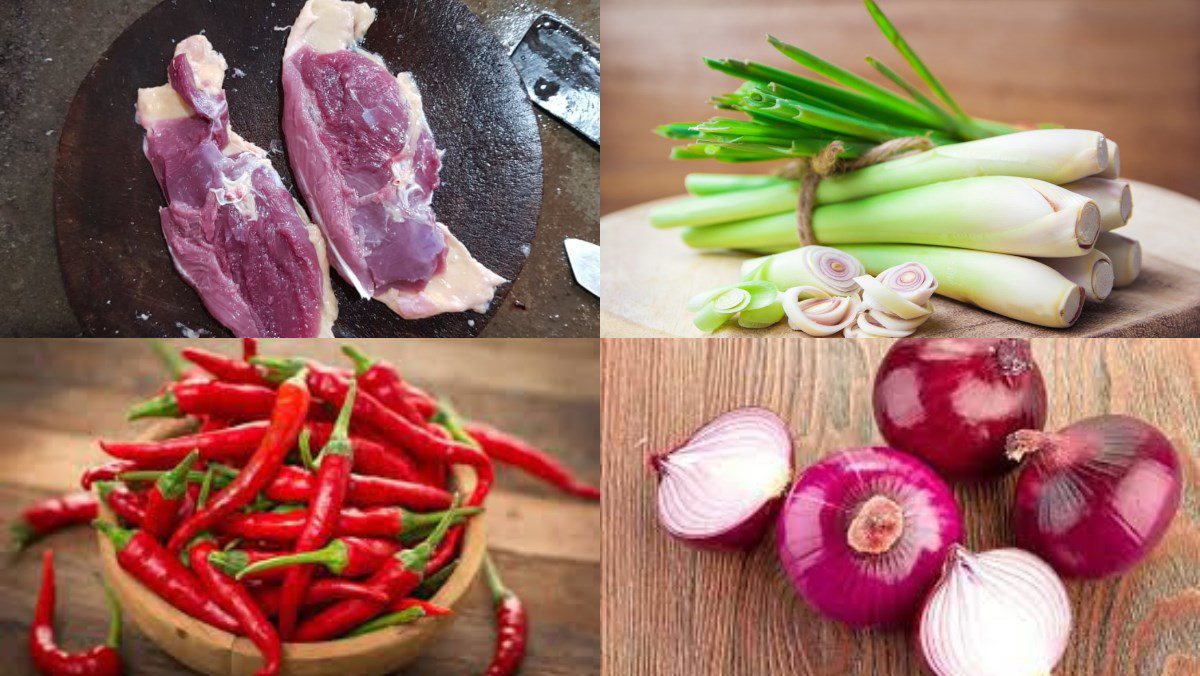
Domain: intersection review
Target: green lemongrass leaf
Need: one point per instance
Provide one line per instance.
(763, 317)
(951, 123)
(708, 320)
(678, 130)
(914, 61)
(857, 128)
(881, 109)
(701, 184)
(842, 76)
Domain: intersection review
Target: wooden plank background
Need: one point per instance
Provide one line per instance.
(1129, 69)
(670, 609)
(57, 397)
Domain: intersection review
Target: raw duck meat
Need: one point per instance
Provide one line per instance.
(235, 232)
(366, 163)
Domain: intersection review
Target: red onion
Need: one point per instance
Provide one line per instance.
(721, 488)
(1095, 497)
(863, 535)
(997, 613)
(953, 401)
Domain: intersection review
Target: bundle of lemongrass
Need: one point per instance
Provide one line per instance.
(1015, 222)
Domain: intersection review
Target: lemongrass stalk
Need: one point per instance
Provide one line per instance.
(1012, 286)
(1001, 214)
(1052, 155)
(1112, 197)
(827, 269)
(1113, 170)
(1093, 271)
(726, 207)
(715, 184)
(815, 312)
(1125, 254)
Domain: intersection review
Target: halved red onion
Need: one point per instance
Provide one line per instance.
(1095, 497)
(721, 488)
(863, 535)
(954, 401)
(996, 613)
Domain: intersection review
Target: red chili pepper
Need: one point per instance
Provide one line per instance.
(106, 472)
(396, 578)
(371, 522)
(225, 400)
(130, 507)
(50, 515)
(332, 387)
(510, 450)
(446, 552)
(371, 457)
(512, 625)
(226, 369)
(233, 444)
(344, 557)
(238, 602)
(294, 484)
(382, 381)
(320, 592)
(434, 580)
(161, 571)
(406, 616)
(329, 494)
(210, 423)
(287, 418)
(51, 660)
(431, 609)
(249, 348)
(165, 497)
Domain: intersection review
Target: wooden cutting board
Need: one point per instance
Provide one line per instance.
(670, 609)
(118, 273)
(649, 275)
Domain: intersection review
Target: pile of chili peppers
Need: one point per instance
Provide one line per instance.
(311, 503)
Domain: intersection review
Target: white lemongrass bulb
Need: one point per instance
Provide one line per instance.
(1011, 286)
(828, 269)
(878, 324)
(997, 613)
(1125, 255)
(1052, 155)
(1113, 170)
(1112, 197)
(1093, 271)
(816, 313)
(1003, 214)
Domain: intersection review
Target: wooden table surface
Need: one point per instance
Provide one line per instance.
(670, 609)
(1127, 68)
(57, 397)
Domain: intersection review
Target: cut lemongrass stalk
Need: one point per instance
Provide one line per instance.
(1113, 170)
(811, 310)
(761, 318)
(1051, 155)
(726, 207)
(1001, 214)
(828, 269)
(1111, 196)
(867, 325)
(1093, 271)
(713, 308)
(715, 184)
(1012, 286)
(890, 301)
(1125, 254)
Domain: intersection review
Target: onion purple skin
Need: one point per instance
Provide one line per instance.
(953, 401)
(1103, 502)
(865, 590)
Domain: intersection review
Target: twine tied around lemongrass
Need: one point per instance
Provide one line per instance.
(811, 170)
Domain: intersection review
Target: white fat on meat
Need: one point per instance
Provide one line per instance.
(463, 284)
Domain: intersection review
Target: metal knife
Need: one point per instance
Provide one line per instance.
(561, 72)
(585, 263)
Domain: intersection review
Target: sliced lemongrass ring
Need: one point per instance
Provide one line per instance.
(876, 295)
